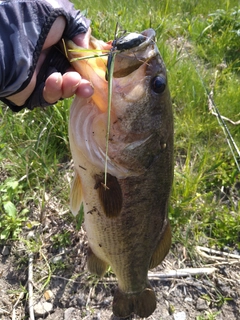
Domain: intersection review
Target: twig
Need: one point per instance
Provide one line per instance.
(89, 295)
(222, 263)
(181, 273)
(219, 255)
(231, 143)
(186, 272)
(30, 286)
(235, 123)
(4, 311)
(15, 305)
(211, 108)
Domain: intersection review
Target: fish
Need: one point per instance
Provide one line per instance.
(126, 219)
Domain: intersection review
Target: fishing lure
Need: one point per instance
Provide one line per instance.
(123, 43)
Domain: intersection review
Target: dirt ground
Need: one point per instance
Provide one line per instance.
(63, 289)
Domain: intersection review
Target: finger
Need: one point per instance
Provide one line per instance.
(52, 91)
(85, 89)
(82, 39)
(74, 84)
(59, 86)
(70, 83)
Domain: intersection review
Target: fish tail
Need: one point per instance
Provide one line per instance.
(142, 304)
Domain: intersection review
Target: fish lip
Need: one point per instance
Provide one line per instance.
(129, 60)
(149, 35)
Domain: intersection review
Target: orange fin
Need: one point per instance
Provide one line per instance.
(110, 195)
(76, 195)
(163, 247)
(142, 304)
(96, 265)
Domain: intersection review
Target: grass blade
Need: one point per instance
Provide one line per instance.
(110, 77)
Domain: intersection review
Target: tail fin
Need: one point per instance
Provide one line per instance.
(142, 304)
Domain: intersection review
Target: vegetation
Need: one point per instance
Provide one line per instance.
(199, 41)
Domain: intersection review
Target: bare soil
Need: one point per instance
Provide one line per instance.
(60, 277)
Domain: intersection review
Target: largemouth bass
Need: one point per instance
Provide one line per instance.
(126, 220)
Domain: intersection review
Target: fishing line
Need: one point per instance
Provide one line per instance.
(231, 143)
(110, 77)
(89, 57)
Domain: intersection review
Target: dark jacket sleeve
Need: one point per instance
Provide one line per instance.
(24, 26)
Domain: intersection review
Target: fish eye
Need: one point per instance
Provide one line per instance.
(158, 84)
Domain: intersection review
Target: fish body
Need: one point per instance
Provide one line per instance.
(127, 220)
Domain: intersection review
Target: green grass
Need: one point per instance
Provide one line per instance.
(195, 39)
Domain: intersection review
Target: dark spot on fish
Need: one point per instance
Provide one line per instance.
(158, 84)
(94, 209)
(100, 245)
(109, 195)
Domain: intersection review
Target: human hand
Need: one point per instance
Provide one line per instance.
(57, 85)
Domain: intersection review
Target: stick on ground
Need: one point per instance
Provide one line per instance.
(30, 286)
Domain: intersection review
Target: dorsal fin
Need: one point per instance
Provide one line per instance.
(110, 195)
(76, 194)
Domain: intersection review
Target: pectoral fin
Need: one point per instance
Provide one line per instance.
(76, 195)
(163, 247)
(109, 195)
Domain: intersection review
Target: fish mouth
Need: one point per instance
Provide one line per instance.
(126, 71)
(126, 63)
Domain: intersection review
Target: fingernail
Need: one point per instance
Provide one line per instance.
(74, 88)
(59, 78)
(89, 91)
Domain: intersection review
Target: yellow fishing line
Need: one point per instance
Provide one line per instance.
(89, 57)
